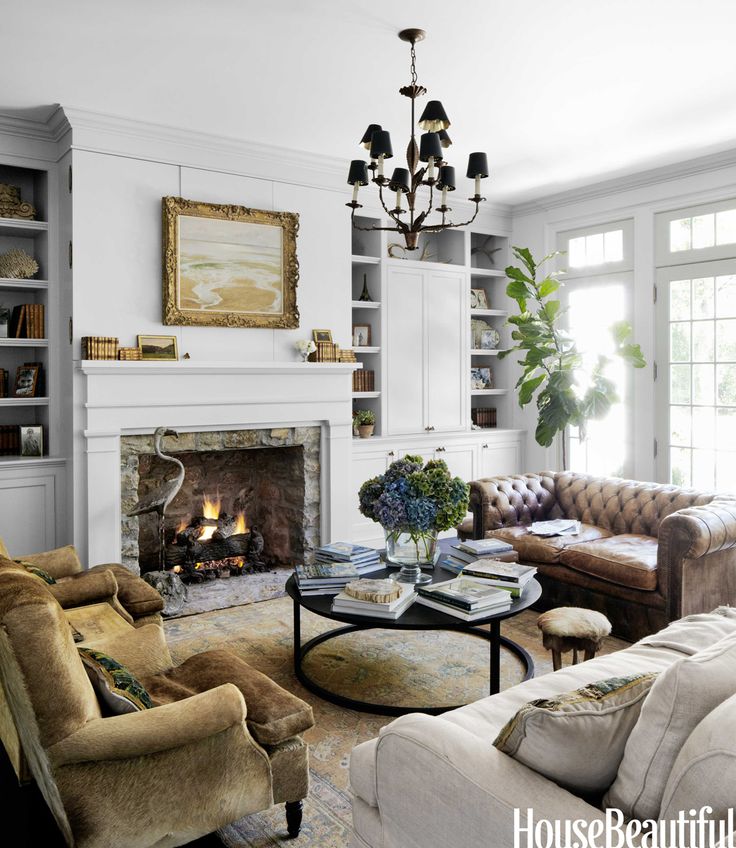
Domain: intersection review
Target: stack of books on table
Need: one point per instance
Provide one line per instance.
(465, 553)
(349, 605)
(510, 576)
(336, 565)
(464, 598)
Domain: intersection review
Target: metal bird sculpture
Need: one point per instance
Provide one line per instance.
(159, 499)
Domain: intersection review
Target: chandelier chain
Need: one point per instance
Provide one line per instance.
(413, 65)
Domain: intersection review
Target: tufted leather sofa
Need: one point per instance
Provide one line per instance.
(646, 553)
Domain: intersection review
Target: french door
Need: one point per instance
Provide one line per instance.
(696, 385)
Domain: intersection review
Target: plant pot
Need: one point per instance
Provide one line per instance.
(411, 550)
(365, 431)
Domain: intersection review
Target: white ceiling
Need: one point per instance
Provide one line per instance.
(558, 93)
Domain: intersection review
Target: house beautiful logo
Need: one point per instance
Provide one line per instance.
(692, 827)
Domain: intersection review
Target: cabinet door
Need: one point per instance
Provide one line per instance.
(499, 459)
(367, 464)
(405, 352)
(459, 459)
(446, 338)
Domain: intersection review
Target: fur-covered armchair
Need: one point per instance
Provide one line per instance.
(219, 731)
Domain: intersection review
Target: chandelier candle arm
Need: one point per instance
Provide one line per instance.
(434, 141)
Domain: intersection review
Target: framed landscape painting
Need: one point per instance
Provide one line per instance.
(228, 266)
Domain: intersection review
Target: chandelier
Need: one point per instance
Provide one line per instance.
(436, 174)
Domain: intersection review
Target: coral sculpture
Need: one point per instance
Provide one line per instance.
(17, 265)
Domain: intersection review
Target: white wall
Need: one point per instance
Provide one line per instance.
(640, 198)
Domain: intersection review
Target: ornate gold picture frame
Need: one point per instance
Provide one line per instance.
(228, 266)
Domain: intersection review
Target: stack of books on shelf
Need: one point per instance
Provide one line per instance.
(465, 598)
(27, 321)
(364, 381)
(464, 553)
(336, 565)
(100, 347)
(392, 599)
(509, 576)
(484, 417)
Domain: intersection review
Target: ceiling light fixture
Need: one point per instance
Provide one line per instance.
(435, 174)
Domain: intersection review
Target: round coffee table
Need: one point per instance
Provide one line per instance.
(417, 617)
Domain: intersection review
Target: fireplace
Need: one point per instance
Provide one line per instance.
(250, 499)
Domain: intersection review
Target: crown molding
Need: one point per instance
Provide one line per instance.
(629, 182)
(32, 138)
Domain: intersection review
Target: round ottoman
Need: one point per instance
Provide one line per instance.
(572, 629)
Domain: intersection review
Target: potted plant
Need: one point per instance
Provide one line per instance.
(413, 502)
(552, 365)
(365, 421)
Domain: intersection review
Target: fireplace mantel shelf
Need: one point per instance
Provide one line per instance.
(102, 366)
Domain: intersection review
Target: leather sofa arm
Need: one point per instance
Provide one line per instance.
(479, 788)
(498, 502)
(700, 530)
(163, 728)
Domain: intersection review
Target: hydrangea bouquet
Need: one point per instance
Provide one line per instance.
(413, 502)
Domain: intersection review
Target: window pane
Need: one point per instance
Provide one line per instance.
(726, 296)
(594, 249)
(704, 230)
(726, 470)
(726, 376)
(680, 383)
(704, 469)
(726, 227)
(576, 252)
(680, 234)
(680, 342)
(613, 246)
(703, 306)
(679, 300)
(680, 466)
(726, 429)
(704, 423)
(703, 348)
(726, 340)
(703, 388)
(680, 426)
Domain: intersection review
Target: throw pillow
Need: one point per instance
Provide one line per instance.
(682, 697)
(116, 687)
(577, 739)
(36, 571)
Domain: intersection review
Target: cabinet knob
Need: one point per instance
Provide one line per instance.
(430, 428)
(485, 445)
(391, 453)
(440, 450)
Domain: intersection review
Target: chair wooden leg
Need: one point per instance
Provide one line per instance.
(294, 818)
(556, 660)
(574, 656)
(589, 654)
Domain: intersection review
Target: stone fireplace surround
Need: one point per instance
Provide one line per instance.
(121, 399)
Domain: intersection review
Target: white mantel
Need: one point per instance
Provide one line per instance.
(125, 398)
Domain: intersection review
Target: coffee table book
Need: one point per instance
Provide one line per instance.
(502, 572)
(455, 612)
(466, 594)
(484, 547)
(391, 610)
(346, 552)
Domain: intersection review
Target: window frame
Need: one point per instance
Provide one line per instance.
(664, 257)
(605, 268)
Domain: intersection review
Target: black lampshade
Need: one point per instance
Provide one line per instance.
(447, 178)
(477, 165)
(429, 145)
(400, 180)
(434, 118)
(381, 144)
(368, 135)
(445, 139)
(358, 174)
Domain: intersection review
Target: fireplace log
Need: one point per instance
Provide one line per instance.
(209, 550)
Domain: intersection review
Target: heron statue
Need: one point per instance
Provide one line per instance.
(159, 499)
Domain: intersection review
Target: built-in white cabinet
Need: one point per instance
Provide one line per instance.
(32, 505)
(426, 343)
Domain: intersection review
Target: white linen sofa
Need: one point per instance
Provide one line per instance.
(431, 782)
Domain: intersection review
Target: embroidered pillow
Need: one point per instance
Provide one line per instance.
(577, 739)
(116, 687)
(36, 571)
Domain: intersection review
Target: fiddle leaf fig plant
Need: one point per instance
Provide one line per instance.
(552, 366)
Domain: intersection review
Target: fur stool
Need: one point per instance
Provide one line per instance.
(572, 629)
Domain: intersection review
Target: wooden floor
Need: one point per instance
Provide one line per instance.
(28, 819)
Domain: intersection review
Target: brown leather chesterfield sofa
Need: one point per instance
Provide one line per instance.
(646, 553)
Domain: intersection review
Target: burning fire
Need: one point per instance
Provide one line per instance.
(211, 508)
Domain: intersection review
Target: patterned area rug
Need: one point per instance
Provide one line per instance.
(381, 665)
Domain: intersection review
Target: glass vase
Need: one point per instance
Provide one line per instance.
(411, 550)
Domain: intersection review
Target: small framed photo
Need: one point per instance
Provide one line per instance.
(481, 378)
(158, 347)
(31, 441)
(478, 299)
(26, 381)
(322, 336)
(361, 335)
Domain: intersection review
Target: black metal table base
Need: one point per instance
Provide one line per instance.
(493, 635)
